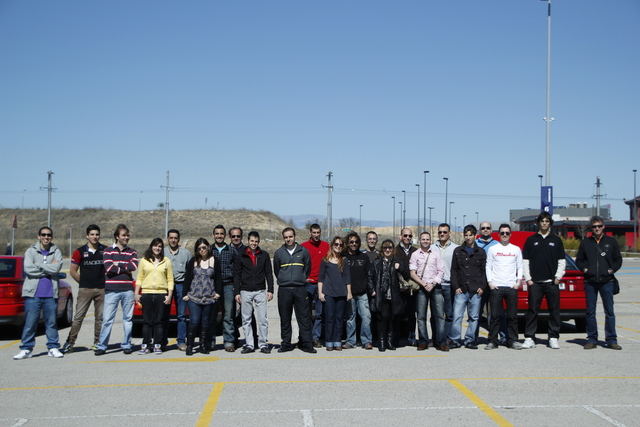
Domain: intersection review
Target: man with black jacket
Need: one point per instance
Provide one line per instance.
(292, 264)
(599, 258)
(251, 270)
(359, 265)
(544, 264)
(402, 254)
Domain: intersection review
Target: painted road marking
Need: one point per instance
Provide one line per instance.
(481, 404)
(7, 345)
(628, 329)
(603, 416)
(209, 409)
(307, 418)
(249, 358)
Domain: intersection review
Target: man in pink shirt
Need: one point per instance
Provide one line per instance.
(427, 269)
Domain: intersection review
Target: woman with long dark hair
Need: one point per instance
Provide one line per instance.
(386, 299)
(201, 293)
(154, 288)
(334, 289)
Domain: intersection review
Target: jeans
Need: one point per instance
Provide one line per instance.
(333, 320)
(292, 298)
(111, 300)
(315, 308)
(448, 308)
(228, 321)
(250, 301)
(436, 299)
(181, 305)
(32, 308)
(552, 293)
(199, 317)
(606, 293)
(153, 307)
(359, 304)
(497, 311)
(85, 297)
(471, 302)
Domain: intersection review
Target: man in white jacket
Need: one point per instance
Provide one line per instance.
(504, 273)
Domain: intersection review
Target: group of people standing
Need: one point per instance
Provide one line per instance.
(335, 289)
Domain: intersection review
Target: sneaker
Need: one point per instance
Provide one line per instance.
(471, 346)
(347, 346)
(23, 354)
(230, 348)
(54, 352)
(529, 343)
(285, 348)
(182, 346)
(66, 348)
(614, 346)
(309, 349)
(590, 346)
(246, 349)
(491, 346)
(127, 350)
(553, 343)
(144, 349)
(516, 346)
(454, 345)
(99, 352)
(316, 344)
(94, 347)
(265, 350)
(157, 349)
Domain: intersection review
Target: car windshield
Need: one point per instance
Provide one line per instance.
(571, 264)
(7, 268)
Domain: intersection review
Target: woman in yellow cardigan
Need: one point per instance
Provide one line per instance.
(155, 283)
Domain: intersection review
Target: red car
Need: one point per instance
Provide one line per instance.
(11, 302)
(573, 300)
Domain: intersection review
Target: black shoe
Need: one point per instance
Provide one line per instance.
(381, 345)
(265, 350)
(309, 350)
(246, 350)
(590, 346)
(127, 350)
(453, 345)
(285, 348)
(316, 344)
(471, 346)
(100, 352)
(390, 344)
(66, 348)
(614, 346)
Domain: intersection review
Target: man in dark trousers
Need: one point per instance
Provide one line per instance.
(407, 323)
(544, 264)
(599, 258)
(359, 265)
(291, 264)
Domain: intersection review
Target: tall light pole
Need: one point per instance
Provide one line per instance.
(329, 187)
(424, 202)
(540, 178)
(635, 212)
(167, 188)
(394, 216)
(450, 212)
(547, 118)
(446, 196)
(401, 217)
(360, 220)
(404, 208)
(418, 227)
(49, 189)
(464, 220)
(477, 219)
(430, 230)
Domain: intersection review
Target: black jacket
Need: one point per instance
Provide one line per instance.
(249, 277)
(468, 272)
(403, 259)
(596, 259)
(188, 278)
(375, 284)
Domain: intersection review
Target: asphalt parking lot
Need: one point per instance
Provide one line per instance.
(532, 387)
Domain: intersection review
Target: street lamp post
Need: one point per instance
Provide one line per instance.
(450, 211)
(446, 196)
(394, 217)
(418, 227)
(424, 202)
(430, 230)
(404, 208)
(464, 220)
(401, 217)
(635, 213)
(360, 220)
(477, 219)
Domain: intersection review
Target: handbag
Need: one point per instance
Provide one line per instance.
(616, 286)
(411, 285)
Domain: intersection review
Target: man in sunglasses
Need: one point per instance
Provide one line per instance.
(317, 249)
(359, 265)
(446, 248)
(544, 265)
(599, 258)
(179, 257)
(504, 272)
(485, 241)
(235, 234)
(407, 323)
(224, 256)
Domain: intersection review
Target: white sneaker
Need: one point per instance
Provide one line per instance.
(553, 343)
(528, 343)
(54, 352)
(24, 354)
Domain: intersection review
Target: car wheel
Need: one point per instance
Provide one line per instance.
(67, 315)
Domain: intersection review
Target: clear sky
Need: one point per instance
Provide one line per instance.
(251, 103)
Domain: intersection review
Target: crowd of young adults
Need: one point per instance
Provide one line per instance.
(335, 289)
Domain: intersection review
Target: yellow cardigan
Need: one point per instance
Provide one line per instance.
(155, 279)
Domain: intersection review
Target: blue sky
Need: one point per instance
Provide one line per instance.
(250, 104)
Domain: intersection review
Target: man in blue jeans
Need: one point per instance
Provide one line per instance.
(224, 255)
(599, 258)
(179, 257)
(446, 247)
(42, 263)
(359, 264)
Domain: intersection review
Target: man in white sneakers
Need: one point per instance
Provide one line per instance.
(42, 264)
(504, 272)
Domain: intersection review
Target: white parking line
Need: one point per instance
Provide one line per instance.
(603, 416)
(307, 418)
(20, 422)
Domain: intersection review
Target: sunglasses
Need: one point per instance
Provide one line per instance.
(46, 235)
(593, 226)
(353, 242)
(407, 235)
(443, 232)
(206, 248)
(505, 233)
(485, 228)
(387, 248)
(236, 236)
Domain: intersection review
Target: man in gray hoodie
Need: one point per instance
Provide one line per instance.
(291, 265)
(42, 263)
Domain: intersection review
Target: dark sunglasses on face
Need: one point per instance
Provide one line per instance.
(236, 236)
(338, 245)
(505, 233)
(485, 228)
(597, 226)
(387, 248)
(203, 248)
(443, 232)
(46, 235)
(407, 235)
(353, 242)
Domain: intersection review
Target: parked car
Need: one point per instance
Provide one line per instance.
(11, 301)
(573, 300)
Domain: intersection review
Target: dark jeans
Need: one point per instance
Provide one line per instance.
(436, 300)
(152, 315)
(315, 310)
(292, 298)
(333, 320)
(406, 328)
(495, 300)
(606, 293)
(552, 293)
(448, 311)
(181, 306)
(385, 320)
(200, 317)
(32, 308)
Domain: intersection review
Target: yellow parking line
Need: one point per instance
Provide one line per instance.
(481, 404)
(9, 344)
(151, 359)
(627, 329)
(206, 415)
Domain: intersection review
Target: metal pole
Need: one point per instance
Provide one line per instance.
(477, 220)
(166, 207)
(404, 208)
(401, 220)
(329, 204)
(464, 220)
(70, 250)
(394, 216)
(418, 227)
(548, 119)
(13, 241)
(597, 196)
(450, 212)
(430, 230)
(360, 220)
(424, 202)
(635, 213)
(446, 196)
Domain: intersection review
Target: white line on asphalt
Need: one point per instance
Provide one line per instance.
(603, 416)
(20, 422)
(307, 417)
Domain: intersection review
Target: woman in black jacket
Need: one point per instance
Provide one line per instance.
(386, 299)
